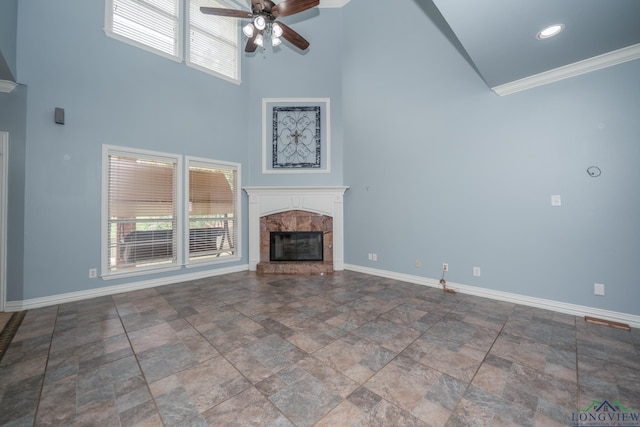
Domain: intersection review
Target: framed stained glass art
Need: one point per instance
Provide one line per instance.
(295, 135)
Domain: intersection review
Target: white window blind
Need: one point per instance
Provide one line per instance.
(154, 24)
(213, 41)
(212, 210)
(141, 212)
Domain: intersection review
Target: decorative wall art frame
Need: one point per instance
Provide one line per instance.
(296, 135)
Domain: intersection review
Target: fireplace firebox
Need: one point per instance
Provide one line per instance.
(296, 221)
(296, 246)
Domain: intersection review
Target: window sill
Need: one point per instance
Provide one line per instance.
(141, 272)
(204, 263)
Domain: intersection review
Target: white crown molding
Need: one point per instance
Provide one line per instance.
(333, 3)
(545, 304)
(112, 290)
(7, 86)
(609, 59)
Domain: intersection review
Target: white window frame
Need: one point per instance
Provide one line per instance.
(237, 220)
(182, 211)
(238, 57)
(108, 28)
(108, 150)
(183, 36)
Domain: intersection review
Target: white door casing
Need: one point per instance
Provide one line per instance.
(4, 170)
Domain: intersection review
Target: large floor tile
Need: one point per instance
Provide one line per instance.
(347, 349)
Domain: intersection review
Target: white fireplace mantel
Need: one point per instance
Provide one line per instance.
(270, 200)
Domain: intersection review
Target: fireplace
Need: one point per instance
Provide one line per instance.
(296, 222)
(316, 210)
(295, 246)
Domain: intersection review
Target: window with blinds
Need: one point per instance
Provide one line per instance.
(154, 25)
(212, 210)
(211, 42)
(163, 211)
(141, 211)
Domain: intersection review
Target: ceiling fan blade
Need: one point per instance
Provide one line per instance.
(291, 7)
(292, 37)
(268, 5)
(257, 5)
(232, 13)
(251, 43)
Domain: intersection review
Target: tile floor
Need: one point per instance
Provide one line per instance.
(342, 350)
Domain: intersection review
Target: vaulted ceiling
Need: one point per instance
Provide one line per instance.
(499, 38)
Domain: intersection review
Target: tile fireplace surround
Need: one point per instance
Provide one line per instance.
(307, 206)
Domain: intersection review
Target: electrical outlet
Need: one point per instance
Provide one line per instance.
(375, 257)
(370, 256)
(417, 263)
(476, 271)
(598, 289)
(93, 273)
(445, 266)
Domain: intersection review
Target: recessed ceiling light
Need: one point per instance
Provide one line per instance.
(550, 31)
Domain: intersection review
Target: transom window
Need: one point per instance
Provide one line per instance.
(171, 27)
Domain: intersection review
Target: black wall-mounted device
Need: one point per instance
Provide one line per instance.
(59, 116)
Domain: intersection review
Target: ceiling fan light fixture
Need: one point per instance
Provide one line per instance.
(276, 30)
(260, 20)
(260, 23)
(550, 31)
(248, 30)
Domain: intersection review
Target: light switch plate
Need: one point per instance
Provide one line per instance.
(598, 289)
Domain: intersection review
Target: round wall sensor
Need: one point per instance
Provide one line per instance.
(594, 171)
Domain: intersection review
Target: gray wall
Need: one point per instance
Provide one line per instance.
(117, 94)
(288, 73)
(440, 169)
(443, 170)
(112, 93)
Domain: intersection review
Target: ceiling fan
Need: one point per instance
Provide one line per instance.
(264, 14)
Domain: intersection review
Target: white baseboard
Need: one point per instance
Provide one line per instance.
(118, 289)
(562, 307)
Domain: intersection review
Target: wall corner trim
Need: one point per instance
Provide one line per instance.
(545, 304)
(7, 86)
(605, 60)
